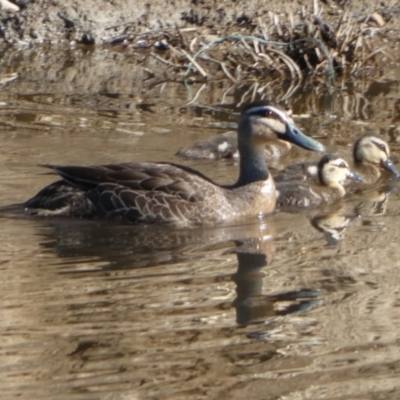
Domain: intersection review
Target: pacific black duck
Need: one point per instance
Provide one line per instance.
(172, 193)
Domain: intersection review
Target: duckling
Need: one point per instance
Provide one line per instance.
(332, 173)
(370, 154)
(173, 193)
(226, 146)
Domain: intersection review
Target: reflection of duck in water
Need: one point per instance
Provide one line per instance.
(226, 146)
(371, 154)
(166, 192)
(251, 304)
(332, 173)
(333, 225)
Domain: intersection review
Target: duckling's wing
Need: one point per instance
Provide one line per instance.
(291, 194)
(307, 171)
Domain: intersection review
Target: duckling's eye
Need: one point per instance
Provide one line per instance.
(342, 165)
(381, 147)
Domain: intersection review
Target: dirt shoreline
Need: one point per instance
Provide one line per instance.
(311, 38)
(25, 22)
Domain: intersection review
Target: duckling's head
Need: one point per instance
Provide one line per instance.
(264, 120)
(371, 148)
(333, 171)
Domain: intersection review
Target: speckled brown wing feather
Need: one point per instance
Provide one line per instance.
(306, 171)
(61, 199)
(137, 205)
(296, 194)
(153, 192)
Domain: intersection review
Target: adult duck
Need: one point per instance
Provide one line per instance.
(172, 193)
(333, 171)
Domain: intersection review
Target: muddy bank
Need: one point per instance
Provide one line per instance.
(44, 21)
(237, 40)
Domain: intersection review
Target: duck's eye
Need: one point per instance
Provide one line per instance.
(268, 114)
(342, 165)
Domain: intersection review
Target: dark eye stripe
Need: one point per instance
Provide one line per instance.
(263, 112)
(340, 165)
(380, 146)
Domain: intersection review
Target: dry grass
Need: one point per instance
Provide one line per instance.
(293, 46)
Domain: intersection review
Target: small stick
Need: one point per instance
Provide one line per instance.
(263, 28)
(163, 60)
(193, 61)
(203, 86)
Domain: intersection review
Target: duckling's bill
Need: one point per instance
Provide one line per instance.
(355, 177)
(388, 164)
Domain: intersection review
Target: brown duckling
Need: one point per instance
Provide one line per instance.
(333, 171)
(172, 193)
(371, 154)
(226, 146)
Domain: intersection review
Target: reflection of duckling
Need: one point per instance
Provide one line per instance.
(370, 154)
(332, 225)
(226, 146)
(374, 202)
(332, 173)
(176, 194)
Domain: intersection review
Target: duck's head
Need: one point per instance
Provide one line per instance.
(263, 120)
(333, 171)
(371, 148)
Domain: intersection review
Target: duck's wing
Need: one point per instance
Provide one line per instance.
(159, 192)
(59, 199)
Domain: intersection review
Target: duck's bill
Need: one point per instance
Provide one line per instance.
(294, 135)
(388, 164)
(355, 177)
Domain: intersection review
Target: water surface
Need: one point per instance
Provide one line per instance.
(293, 306)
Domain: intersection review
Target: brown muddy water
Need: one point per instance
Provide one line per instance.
(296, 306)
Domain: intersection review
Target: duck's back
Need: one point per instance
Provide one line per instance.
(305, 171)
(369, 172)
(221, 146)
(226, 146)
